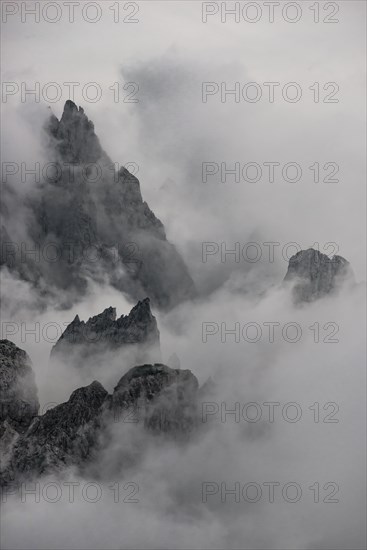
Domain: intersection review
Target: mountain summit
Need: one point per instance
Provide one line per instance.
(82, 341)
(74, 133)
(315, 274)
(89, 222)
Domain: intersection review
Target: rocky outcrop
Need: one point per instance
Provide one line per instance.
(164, 401)
(104, 332)
(314, 274)
(76, 141)
(18, 391)
(64, 436)
(88, 220)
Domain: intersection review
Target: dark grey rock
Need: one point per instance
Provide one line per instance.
(18, 392)
(315, 275)
(104, 332)
(76, 141)
(64, 436)
(93, 220)
(164, 399)
(72, 434)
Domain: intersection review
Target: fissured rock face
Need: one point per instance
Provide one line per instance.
(315, 275)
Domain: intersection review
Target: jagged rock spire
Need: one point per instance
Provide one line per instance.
(104, 330)
(87, 204)
(76, 141)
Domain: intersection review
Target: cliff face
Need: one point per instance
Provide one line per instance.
(315, 275)
(105, 333)
(164, 401)
(89, 220)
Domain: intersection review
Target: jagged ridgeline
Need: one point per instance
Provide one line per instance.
(94, 343)
(150, 398)
(89, 221)
(158, 399)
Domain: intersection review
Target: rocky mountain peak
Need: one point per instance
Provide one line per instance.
(70, 434)
(109, 314)
(315, 274)
(165, 398)
(63, 436)
(141, 312)
(76, 141)
(84, 206)
(69, 109)
(107, 332)
(94, 394)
